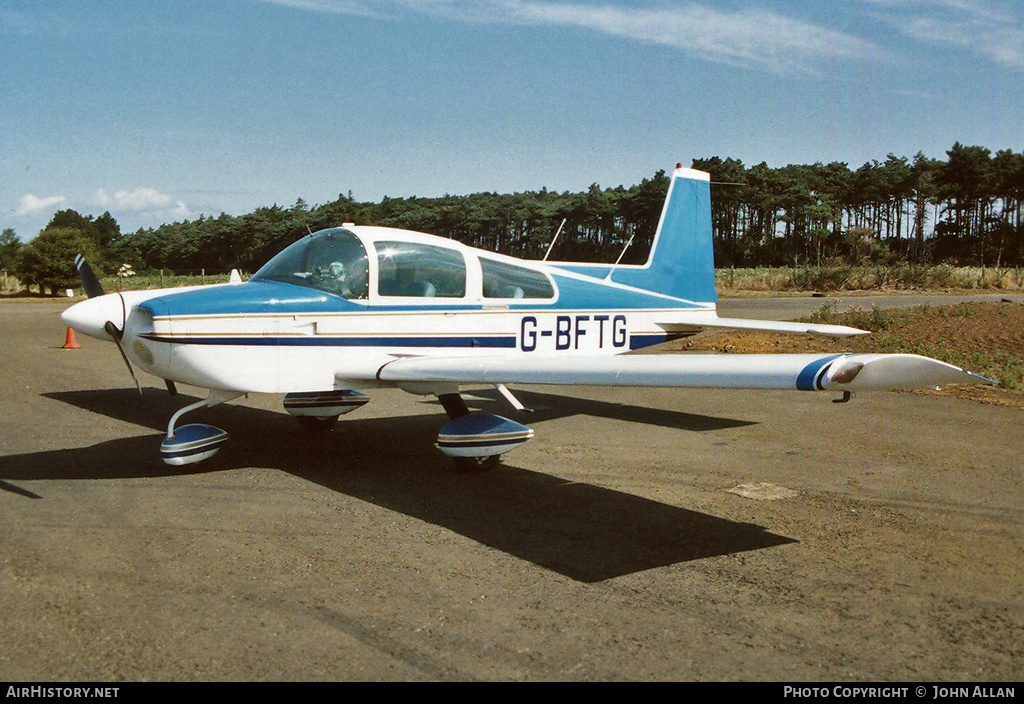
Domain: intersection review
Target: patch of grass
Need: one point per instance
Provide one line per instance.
(874, 320)
(842, 277)
(152, 281)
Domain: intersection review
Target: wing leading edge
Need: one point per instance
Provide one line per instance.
(804, 372)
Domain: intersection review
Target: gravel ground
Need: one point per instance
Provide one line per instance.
(642, 535)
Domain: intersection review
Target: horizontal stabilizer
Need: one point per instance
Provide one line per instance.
(708, 319)
(804, 372)
(781, 326)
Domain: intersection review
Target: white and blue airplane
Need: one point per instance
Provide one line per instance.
(354, 308)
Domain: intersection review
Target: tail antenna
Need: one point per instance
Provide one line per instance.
(621, 255)
(553, 240)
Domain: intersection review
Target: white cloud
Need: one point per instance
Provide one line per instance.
(753, 37)
(31, 205)
(984, 28)
(142, 201)
(1001, 43)
(339, 7)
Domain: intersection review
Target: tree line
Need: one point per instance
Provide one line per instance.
(964, 210)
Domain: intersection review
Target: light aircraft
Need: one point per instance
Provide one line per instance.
(354, 308)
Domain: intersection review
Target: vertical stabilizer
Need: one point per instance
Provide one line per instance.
(682, 262)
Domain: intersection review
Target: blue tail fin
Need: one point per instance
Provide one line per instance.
(682, 261)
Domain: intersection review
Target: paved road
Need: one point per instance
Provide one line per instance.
(876, 540)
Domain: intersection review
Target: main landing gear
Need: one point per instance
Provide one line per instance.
(476, 441)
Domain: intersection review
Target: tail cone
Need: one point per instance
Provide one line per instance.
(70, 343)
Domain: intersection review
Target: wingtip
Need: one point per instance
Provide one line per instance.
(982, 379)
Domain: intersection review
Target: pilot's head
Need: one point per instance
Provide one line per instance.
(337, 270)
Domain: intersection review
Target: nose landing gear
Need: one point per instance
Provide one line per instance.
(194, 442)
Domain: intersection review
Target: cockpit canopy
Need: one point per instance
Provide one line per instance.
(335, 261)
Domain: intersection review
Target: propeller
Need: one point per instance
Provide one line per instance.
(117, 335)
(93, 289)
(90, 283)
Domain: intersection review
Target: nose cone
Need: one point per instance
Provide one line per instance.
(89, 316)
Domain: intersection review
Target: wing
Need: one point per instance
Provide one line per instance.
(805, 372)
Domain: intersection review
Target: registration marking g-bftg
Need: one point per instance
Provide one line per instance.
(572, 331)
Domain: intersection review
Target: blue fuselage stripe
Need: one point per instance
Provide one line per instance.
(504, 341)
(637, 342)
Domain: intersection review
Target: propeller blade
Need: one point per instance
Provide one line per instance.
(117, 335)
(89, 281)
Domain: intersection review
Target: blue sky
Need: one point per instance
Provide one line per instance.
(162, 111)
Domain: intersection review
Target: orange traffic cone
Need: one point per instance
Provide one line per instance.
(70, 343)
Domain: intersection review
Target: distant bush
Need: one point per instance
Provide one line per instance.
(840, 277)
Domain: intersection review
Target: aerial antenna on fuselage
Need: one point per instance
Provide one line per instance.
(553, 240)
(621, 255)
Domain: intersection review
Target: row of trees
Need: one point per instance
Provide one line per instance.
(965, 210)
(48, 260)
(597, 224)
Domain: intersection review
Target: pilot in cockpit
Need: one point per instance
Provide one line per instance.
(347, 280)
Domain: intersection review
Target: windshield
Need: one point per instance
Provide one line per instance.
(332, 261)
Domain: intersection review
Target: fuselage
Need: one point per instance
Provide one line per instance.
(331, 309)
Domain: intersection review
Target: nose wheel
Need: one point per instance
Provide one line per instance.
(194, 442)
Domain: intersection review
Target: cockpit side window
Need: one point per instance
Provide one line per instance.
(421, 270)
(333, 261)
(504, 280)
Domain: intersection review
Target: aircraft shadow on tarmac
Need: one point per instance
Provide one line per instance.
(545, 406)
(584, 532)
